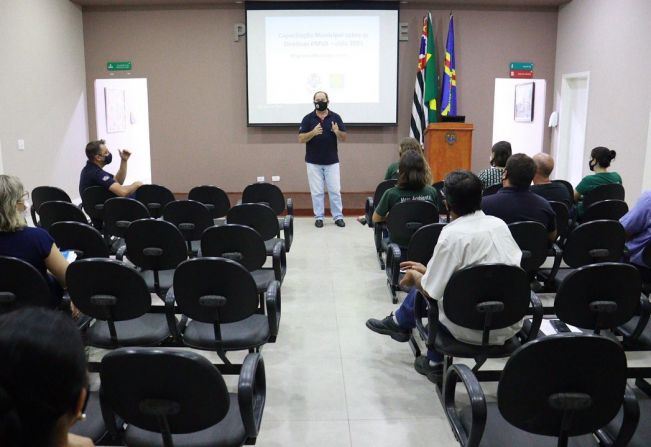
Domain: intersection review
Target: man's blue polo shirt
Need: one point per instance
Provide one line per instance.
(519, 205)
(322, 149)
(93, 175)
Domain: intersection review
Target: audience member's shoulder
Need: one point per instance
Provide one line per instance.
(36, 232)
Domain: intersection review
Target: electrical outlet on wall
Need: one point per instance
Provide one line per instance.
(275, 178)
(261, 178)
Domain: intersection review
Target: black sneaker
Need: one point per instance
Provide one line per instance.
(388, 327)
(340, 223)
(433, 373)
(318, 223)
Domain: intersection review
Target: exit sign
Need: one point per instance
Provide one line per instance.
(118, 66)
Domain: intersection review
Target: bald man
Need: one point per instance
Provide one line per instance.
(544, 187)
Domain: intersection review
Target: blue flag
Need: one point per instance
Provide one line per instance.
(449, 90)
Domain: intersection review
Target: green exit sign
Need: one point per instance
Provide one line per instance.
(118, 66)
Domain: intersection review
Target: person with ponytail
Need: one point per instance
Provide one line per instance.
(600, 159)
(43, 379)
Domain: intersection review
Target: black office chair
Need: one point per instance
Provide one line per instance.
(532, 238)
(42, 194)
(262, 219)
(191, 218)
(484, 298)
(562, 221)
(21, 285)
(557, 390)
(420, 249)
(491, 189)
(568, 186)
(177, 398)
(244, 245)
(613, 191)
(92, 200)
(92, 426)
(605, 209)
(215, 199)
(119, 212)
(81, 238)
(268, 194)
(118, 298)
(58, 211)
(156, 247)
(154, 197)
(371, 202)
(221, 298)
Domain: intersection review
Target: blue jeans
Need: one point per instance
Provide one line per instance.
(406, 320)
(321, 177)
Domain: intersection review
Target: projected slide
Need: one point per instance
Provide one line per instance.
(350, 54)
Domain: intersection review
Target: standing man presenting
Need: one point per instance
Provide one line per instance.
(321, 130)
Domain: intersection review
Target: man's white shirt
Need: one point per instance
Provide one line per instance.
(470, 240)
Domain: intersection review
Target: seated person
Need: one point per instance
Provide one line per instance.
(500, 152)
(515, 202)
(471, 238)
(407, 144)
(637, 224)
(600, 159)
(43, 379)
(414, 183)
(544, 187)
(33, 245)
(93, 174)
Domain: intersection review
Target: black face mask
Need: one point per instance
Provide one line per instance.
(591, 165)
(108, 158)
(321, 105)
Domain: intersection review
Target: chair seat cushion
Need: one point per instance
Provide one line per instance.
(271, 243)
(228, 433)
(147, 330)
(248, 333)
(165, 279)
(93, 425)
(499, 433)
(446, 344)
(263, 277)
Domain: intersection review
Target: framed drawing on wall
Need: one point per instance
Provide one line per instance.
(524, 94)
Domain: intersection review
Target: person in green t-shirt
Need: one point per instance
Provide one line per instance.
(600, 159)
(414, 183)
(406, 144)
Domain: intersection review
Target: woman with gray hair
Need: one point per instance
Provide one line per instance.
(33, 245)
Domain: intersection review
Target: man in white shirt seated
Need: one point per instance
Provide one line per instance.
(471, 238)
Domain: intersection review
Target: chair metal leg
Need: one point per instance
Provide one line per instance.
(413, 345)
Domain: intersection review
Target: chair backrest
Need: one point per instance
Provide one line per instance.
(407, 217)
(532, 238)
(470, 289)
(93, 199)
(266, 193)
(562, 218)
(58, 211)
(568, 186)
(257, 216)
(21, 285)
(235, 242)
(119, 212)
(491, 189)
(107, 289)
(42, 194)
(215, 199)
(599, 296)
(592, 242)
(613, 191)
(81, 238)
(422, 243)
(605, 209)
(189, 216)
(154, 197)
(381, 188)
(156, 390)
(155, 244)
(215, 290)
(565, 372)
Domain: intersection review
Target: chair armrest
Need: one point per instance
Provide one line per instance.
(119, 255)
(273, 301)
(368, 211)
(35, 221)
(643, 319)
(252, 393)
(378, 228)
(290, 206)
(279, 258)
(169, 313)
(626, 254)
(537, 316)
(393, 264)
(113, 427)
(558, 256)
(477, 405)
(426, 307)
(630, 420)
(288, 231)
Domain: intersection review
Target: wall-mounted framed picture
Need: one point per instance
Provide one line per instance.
(524, 95)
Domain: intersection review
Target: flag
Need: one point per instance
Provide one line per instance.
(420, 110)
(449, 97)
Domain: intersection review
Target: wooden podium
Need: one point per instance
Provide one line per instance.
(448, 146)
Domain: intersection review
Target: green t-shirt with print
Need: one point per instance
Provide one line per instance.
(396, 195)
(590, 182)
(392, 171)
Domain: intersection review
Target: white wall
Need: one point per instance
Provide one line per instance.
(43, 92)
(612, 41)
